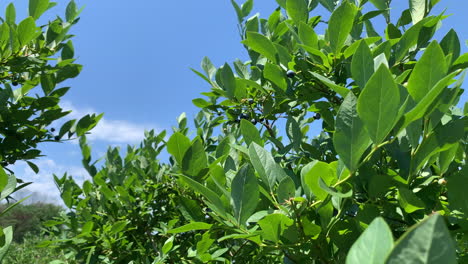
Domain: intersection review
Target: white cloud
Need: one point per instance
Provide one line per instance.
(43, 187)
(111, 131)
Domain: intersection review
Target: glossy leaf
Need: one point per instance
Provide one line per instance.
(297, 10)
(250, 133)
(9, 187)
(262, 160)
(244, 194)
(211, 196)
(417, 10)
(10, 14)
(26, 30)
(450, 44)
(7, 238)
(294, 133)
(427, 242)
(442, 138)
(430, 69)
(194, 161)
(409, 201)
(177, 145)
(362, 64)
(286, 189)
(308, 35)
(342, 91)
(274, 73)
(340, 25)
(422, 106)
(456, 185)
(193, 226)
(311, 175)
(261, 44)
(229, 81)
(37, 7)
(350, 138)
(379, 104)
(274, 226)
(373, 245)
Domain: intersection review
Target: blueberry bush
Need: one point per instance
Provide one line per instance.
(332, 143)
(34, 60)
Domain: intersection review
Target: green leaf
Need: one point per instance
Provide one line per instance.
(430, 69)
(340, 25)
(332, 191)
(212, 197)
(286, 189)
(265, 165)
(177, 145)
(409, 201)
(194, 161)
(373, 246)
(240, 16)
(250, 133)
(3, 179)
(274, 73)
(87, 123)
(10, 14)
(118, 227)
(68, 51)
(208, 67)
(7, 237)
(362, 64)
(244, 194)
(379, 104)
(350, 138)
(427, 242)
(442, 138)
(310, 176)
(424, 105)
(71, 11)
(228, 79)
(337, 88)
(168, 245)
(450, 44)
(33, 167)
(26, 30)
(48, 83)
(460, 63)
(200, 102)
(261, 44)
(417, 10)
(193, 226)
(37, 7)
(456, 185)
(308, 36)
(328, 4)
(380, 4)
(297, 10)
(274, 226)
(9, 187)
(409, 39)
(247, 7)
(293, 130)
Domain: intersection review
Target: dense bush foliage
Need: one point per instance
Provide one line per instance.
(382, 182)
(28, 218)
(33, 56)
(28, 252)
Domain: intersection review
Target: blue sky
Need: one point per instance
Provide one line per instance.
(136, 57)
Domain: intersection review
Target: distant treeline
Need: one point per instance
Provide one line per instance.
(28, 218)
